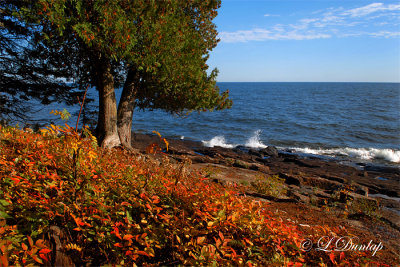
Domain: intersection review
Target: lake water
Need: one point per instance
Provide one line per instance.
(356, 121)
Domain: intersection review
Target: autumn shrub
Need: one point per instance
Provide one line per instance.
(119, 208)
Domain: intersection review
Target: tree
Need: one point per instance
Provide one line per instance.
(156, 49)
(28, 70)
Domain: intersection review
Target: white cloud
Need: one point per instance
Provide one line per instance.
(385, 34)
(262, 35)
(271, 15)
(326, 24)
(371, 8)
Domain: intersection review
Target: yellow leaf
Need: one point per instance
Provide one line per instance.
(159, 135)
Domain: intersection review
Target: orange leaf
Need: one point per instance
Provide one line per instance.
(142, 253)
(118, 245)
(4, 260)
(201, 239)
(24, 247)
(221, 235)
(30, 241)
(128, 237)
(37, 259)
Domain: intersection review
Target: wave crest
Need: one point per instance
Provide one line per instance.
(217, 141)
(361, 153)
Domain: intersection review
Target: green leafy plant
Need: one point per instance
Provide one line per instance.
(270, 185)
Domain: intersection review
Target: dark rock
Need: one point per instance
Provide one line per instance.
(259, 167)
(271, 198)
(240, 149)
(384, 169)
(362, 190)
(270, 151)
(256, 153)
(291, 180)
(322, 183)
(303, 163)
(334, 178)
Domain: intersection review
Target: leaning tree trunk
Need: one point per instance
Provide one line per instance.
(125, 109)
(107, 122)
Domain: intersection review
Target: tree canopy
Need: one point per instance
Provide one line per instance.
(28, 70)
(156, 50)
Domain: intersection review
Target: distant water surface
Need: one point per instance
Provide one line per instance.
(360, 121)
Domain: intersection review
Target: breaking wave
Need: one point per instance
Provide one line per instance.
(360, 153)
(253, 142)
(217, 141)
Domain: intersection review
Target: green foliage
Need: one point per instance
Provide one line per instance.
(166, 43)
(28, 70)
(117, 208)
(271, 185)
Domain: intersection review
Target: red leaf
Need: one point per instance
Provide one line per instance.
(24, 247)
(332, 257)
(16, 180)
(45, 251)
(341, 256)
(43, 257)
(116, 233)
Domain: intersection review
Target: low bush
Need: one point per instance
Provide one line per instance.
(117, 208)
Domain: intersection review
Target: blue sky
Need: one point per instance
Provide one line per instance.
(320, 40)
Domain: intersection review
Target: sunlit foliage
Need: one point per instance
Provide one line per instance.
(119, 208)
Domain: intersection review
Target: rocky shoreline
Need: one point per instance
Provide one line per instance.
(363, 197)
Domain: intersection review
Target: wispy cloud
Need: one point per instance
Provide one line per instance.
(371, 8)
(271, 15)
(379, 18)
(262, 34)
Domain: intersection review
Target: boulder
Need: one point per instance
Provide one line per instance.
(270, 151)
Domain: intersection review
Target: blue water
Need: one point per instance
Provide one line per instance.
(357, 120)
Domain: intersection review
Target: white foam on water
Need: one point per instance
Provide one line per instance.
(217, 141)
(361, 153)
(254, 141)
